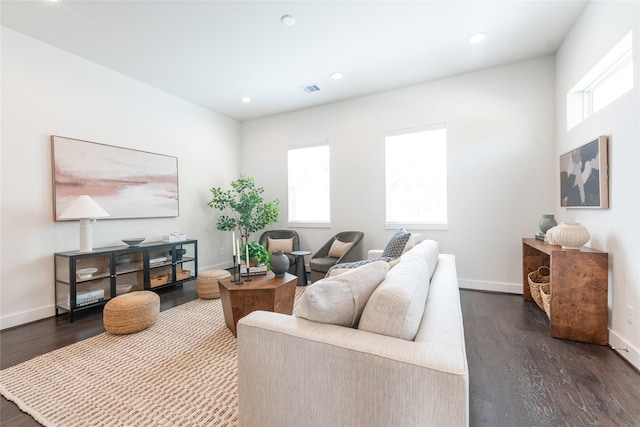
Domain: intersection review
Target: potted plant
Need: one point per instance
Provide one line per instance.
(257, 252)
(249, 211)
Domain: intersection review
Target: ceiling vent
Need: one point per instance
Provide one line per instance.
(310, 88)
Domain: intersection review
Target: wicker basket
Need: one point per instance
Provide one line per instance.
(159, 280)
(545, 294)
(536, 279)
(183, 274)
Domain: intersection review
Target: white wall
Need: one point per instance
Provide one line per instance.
(615, 230)
(47, 91)
(501, 162)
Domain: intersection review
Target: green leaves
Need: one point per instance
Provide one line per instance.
(250, 213)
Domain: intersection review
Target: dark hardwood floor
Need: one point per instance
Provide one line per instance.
(519, 375)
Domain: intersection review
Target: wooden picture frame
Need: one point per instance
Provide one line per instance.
(126, 183)
(584, 176)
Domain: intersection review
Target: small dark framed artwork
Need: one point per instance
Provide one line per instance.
(584, 176)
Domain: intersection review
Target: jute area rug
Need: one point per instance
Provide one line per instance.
(182, 371)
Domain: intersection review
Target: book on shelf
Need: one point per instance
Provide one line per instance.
(86, 298)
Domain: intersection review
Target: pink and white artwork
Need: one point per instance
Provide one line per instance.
(126, 183)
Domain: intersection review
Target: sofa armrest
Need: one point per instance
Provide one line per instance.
(374, 253)
(294, 372)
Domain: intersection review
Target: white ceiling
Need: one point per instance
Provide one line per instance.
(215, 52)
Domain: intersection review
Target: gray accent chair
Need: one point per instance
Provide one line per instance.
(321, 262)
(283, 234)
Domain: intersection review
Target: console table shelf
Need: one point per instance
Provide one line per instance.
(579, 288)
(84, 280)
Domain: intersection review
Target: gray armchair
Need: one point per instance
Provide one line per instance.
(283, 234)
(321, 261)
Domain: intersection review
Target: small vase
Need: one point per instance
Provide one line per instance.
(571, 235)
(546, 222)
(279, 263)
(549, 236)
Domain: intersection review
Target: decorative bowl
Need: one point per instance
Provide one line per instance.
(123, 289)
(133, 241)
(86, 273)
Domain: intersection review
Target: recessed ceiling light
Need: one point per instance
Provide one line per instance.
(245, 99)
(477, 37)
(288, 20)
(336, 76)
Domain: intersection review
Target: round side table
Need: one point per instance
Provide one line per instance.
(301, 271)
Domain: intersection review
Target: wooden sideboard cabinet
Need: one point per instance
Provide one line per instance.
(579, 287)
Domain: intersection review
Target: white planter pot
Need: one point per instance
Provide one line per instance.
(571, 235)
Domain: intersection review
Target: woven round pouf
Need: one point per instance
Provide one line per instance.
(131, 312)
(207, 283)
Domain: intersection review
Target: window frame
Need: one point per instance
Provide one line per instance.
(309, 223)
(421, 225)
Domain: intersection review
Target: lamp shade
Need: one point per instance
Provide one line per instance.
(83, 207)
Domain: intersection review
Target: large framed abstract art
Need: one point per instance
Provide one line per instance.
(126, 183)
(584, 176)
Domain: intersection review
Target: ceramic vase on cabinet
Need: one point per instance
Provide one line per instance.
(546, 222)
(279, 263)
(571, 235)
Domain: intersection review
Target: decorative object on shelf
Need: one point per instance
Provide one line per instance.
(173, 237)
(584, 176)
(250, 213)
(133, 241)
(571, 235)
(183, 274)
(123, 289)
(86, 273)
(279, 263)
(141, 184)
(546, 222)
(86, 210)
(178, 253)
(536, 279)
(549, 236)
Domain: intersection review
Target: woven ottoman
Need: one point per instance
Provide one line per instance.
(131, 312)
(207, 283)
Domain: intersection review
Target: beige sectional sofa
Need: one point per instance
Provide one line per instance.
(403, 365)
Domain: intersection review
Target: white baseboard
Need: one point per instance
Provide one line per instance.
(221, 266)
(26, 317)
(477, 285)
(624, 349)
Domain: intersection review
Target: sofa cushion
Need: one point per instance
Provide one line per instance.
(396, 306)
(338, 248)
(284, 245)
(340, 300)
(396, 244)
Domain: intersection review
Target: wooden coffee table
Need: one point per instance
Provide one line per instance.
(264, 292)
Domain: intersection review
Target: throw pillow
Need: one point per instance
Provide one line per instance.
(340, 300)
(285, 245)
(338, 248)
(396, 244)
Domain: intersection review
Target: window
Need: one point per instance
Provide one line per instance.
(611, 78)
(308, 177)
(416, 178)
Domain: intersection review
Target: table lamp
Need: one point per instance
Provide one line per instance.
(85, 209)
